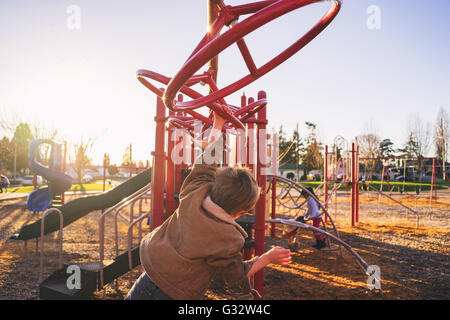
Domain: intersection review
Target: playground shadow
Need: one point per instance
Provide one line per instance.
(11, 216)
(19, 273)
(406, 272)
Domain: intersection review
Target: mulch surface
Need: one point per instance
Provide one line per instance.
(414, 263)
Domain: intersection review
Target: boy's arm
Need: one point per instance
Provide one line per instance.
(202, 172)
(276, 255)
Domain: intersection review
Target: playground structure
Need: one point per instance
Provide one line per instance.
(167, 175)
(131, 169)
(58, 182)
(182, 114)
(421, 170)
(348, 170)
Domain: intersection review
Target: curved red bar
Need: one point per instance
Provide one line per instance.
(264, 12)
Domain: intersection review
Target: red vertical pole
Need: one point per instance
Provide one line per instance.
(325, 177)
(240, 141)
(104, 173)
(250, 141)
(170, 171)
(433, 179)
(158, 166)
(353, 185)
(260, 209)
(387, 177)
(131, 159)
(357, 185)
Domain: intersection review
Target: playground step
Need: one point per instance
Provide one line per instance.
(55, 287)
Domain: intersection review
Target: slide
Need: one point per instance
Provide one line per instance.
(78, 208)
(58, 182)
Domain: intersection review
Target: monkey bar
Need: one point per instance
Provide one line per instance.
(360, 261)
(293, 186)
(213, 43)
(251, 115)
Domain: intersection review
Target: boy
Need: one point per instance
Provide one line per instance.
(201, 238)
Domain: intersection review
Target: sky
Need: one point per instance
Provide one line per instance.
(356, 76)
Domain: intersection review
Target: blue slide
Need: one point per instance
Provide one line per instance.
(58, 182)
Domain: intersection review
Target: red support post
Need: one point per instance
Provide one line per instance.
(171, 204)
(357, 185)
(353, 184)
(260, 209)
(326, 180)
(158, 166)
(433, 177)
(104, 173)
(250, 142)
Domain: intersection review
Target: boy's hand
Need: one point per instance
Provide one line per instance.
(279, 255)
(218, 122)
(216, 130)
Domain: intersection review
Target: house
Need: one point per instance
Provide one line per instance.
(289, 170)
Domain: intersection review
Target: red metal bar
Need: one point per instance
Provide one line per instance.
(212, 48)
(353, 185)
(326, 180)
(247, 57)
(104, 173)
(260, 209)
(158, 166)
(250, 142)
(433, 177)
(357, 185)
(170, 171)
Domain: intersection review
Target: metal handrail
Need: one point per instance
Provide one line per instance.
(130, 235)
(130, 199)
(142, 196)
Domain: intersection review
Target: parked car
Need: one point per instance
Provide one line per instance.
(16, 182)
(87, 178)
(29, 181)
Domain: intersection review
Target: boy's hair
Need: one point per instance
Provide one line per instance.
(234, 189)
(306, 194)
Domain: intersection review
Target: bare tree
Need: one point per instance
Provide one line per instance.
(9, 122)
(79, 155)
(421, 132)
(369, 143)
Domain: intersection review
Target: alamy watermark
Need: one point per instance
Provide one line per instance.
(373, 21)
(73, 21)
(374, 280)
(234, 147)
(74, 280)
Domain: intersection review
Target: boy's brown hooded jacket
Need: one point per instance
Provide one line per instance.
(197, 240)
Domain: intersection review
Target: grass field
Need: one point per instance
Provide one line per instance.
(75, 187)
(392, 186)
